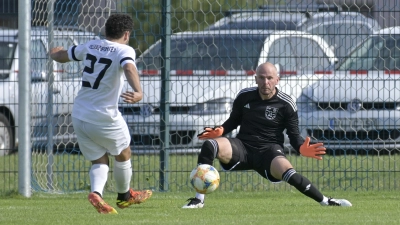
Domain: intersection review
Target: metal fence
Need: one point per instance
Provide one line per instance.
(208, 54)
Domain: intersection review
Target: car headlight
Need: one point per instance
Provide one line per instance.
(214, 106)
(305, 104)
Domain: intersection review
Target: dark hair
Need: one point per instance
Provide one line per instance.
(117, 24)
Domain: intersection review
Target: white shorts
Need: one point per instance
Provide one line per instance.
(97, 140)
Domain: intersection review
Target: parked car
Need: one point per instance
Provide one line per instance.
(341, 30)
(357, 108)
(9, 64)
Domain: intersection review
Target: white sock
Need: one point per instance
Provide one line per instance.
(98, 177)
(200, 196)
(122, 175)
(324, 201)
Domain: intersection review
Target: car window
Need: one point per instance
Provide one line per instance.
(7, 50)
(309, 54)
(342, 37)
(376, 53)
(282, 53)
(208, 53)
(38, 59)
(298, 53)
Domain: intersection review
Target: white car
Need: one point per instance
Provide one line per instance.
(9, 58)
(357, 108)
(207, 71)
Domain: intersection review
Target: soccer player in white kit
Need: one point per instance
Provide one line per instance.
(99, 126)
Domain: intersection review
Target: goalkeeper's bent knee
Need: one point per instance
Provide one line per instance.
(208, 153)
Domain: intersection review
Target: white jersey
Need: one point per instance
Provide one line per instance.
(102, 80)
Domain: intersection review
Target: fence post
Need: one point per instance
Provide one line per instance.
(24, 89)
(50, 84)
(164, 125)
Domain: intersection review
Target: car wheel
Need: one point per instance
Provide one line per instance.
(6, 136)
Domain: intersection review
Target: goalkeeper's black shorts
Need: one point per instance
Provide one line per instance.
(248, 157)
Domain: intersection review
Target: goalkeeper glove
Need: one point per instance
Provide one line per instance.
(210, 133)
(312, 151)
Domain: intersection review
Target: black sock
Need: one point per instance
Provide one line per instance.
(302, 184)
(124, 196)
(97, 193)
(208, 153)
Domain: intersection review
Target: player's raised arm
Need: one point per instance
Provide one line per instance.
(59, 54)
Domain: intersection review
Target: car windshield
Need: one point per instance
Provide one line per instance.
(208, 53)
(376, 53)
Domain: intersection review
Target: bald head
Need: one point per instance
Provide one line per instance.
(266, 79)
(266, 67)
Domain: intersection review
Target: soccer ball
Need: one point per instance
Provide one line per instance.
(204, 178)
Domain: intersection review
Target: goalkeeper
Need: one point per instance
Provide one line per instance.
(263, 113)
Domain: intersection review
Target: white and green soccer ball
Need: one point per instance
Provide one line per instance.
(204, 179)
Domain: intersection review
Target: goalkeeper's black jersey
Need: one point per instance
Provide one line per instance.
(263, 121)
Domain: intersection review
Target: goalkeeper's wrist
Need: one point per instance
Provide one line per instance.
(223, 130)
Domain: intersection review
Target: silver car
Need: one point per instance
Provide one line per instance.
(62, 92)
(357, 108)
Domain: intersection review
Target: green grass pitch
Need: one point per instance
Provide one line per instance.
(261, 207)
